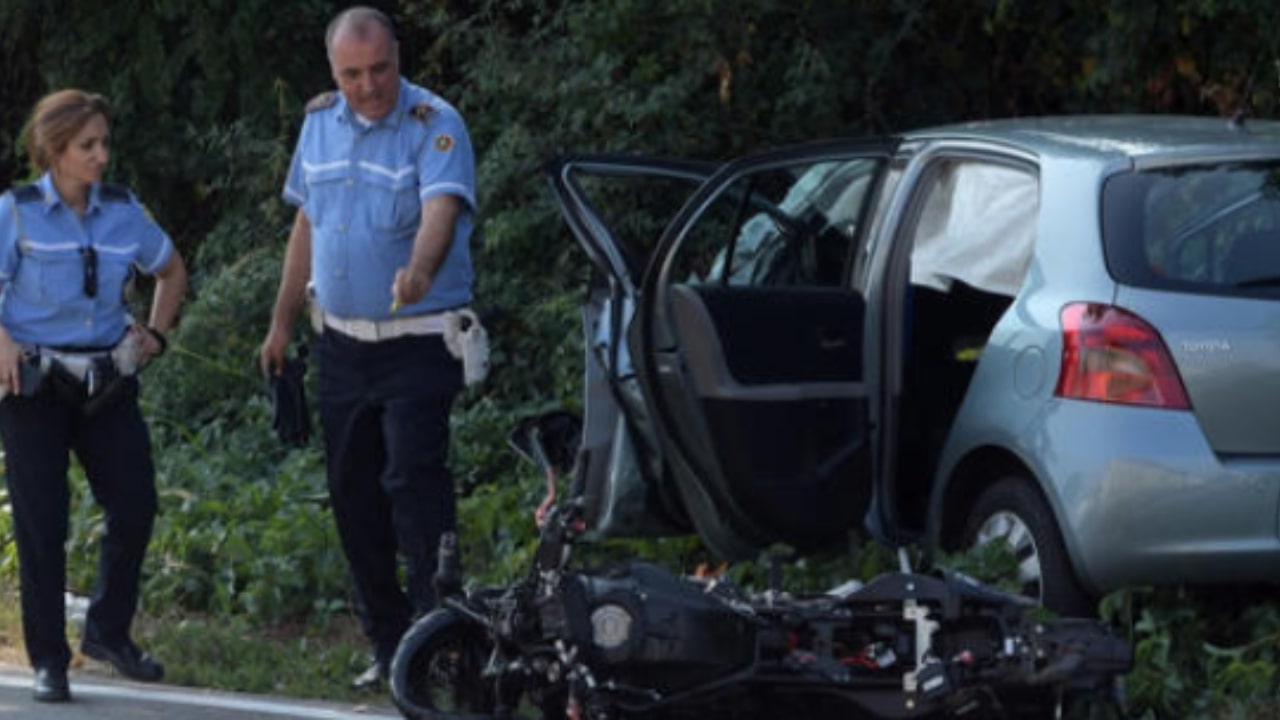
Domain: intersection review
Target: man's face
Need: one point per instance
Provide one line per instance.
(366, 69)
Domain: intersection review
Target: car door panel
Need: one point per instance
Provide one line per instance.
(784, 404)
(755, 374)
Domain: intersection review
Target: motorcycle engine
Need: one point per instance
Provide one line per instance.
(646, 628)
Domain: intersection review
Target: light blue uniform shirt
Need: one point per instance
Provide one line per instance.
(42, 263)
(362, 187)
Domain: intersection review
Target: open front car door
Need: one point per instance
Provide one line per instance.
(616, 207)
(725, 389)
(750, 350)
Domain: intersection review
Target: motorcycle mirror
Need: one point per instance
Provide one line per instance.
(549, 440)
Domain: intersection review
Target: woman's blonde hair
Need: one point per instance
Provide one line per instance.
(55, 121)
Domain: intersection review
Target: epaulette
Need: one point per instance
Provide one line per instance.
(28, 193)
(422, 112)
(114, 193)
(322, 101)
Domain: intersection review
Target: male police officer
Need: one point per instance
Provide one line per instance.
(383, 177)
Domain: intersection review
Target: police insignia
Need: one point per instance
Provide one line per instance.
(322, 101)
(114, 193)
(444, 143)
(422, 112)
(28, 193)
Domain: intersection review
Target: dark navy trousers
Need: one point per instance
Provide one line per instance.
(384, 407)
(114, 448)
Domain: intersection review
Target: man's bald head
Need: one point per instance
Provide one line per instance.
(362, 23)
(364, 59)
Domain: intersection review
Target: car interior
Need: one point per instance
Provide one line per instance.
(971, 245)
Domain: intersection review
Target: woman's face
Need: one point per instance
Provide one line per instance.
(86, 156)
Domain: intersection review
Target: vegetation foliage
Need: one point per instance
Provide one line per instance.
(208, 98)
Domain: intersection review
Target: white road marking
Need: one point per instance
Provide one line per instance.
(201, 699)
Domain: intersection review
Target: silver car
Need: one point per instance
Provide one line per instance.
(1059, 332)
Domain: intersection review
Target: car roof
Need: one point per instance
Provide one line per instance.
(1149, 138)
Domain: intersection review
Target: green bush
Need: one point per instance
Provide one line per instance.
(208, 99)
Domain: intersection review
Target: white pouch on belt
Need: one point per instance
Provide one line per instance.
(467, 341)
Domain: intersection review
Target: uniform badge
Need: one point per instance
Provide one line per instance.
(322, 101)
(422, 112)
(444, 142)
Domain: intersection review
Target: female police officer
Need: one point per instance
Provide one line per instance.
(68, 355)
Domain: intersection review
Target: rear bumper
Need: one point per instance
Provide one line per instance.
(1142, 499)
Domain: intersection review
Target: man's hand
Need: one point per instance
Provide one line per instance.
(290, 298)
(271, 355)
(430, 246)
(409, 286)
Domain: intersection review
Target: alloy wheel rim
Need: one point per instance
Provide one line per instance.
(1009, 528)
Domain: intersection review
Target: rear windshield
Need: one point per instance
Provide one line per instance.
(1206, 228)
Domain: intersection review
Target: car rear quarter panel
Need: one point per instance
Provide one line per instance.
(1144, 500)
(1004, 409)
(1139, 495)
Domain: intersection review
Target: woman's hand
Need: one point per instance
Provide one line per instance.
(10, 363)
(150, 343)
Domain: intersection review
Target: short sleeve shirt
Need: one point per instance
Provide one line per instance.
(45, 249)
(362, 186)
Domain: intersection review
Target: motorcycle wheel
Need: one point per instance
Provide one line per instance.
(437, 672)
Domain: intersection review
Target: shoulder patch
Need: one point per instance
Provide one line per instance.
(322, 101)
(444, 142)
(422, 112)
(114, 193)
(28, 193)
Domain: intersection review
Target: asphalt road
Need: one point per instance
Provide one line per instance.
(103, 698)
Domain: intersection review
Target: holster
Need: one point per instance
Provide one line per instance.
(468, 341)
(30, 378)
(112, 392)
(30, 375)
(102, 387)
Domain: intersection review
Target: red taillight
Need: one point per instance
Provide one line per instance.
(1112, 355)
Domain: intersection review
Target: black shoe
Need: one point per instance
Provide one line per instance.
(51, 685)
(372, 677)
(127, 659)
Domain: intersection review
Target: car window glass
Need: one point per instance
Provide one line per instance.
(635, 209)
(977, 225)
(1211, 228)
(783, 226)
(879, 216)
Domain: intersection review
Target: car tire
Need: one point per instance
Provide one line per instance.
(1012, 509)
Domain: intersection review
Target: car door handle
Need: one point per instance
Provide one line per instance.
(831, 339)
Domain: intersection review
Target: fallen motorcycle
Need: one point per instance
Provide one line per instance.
(638, 641)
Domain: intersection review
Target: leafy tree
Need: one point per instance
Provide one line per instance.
(208, 98)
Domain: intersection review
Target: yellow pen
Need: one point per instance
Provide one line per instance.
(395, 305)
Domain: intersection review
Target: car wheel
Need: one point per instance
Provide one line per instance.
(1012, 511)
